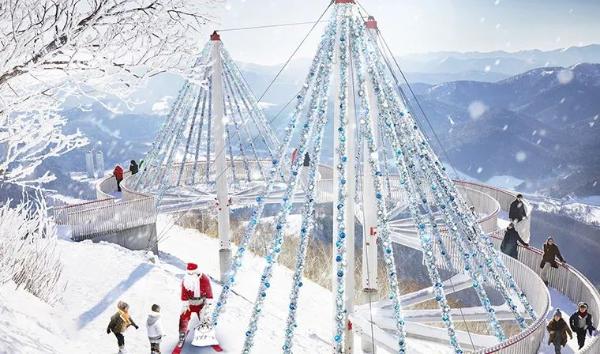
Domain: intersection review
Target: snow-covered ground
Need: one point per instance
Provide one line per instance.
(99, 275)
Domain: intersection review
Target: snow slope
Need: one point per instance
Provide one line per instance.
(99, 275)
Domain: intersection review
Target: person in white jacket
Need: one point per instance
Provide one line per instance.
(155, 332)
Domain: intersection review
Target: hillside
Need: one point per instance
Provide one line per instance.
(101, 274)
(539, 126)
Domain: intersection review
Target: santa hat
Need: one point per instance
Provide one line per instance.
(192, 267)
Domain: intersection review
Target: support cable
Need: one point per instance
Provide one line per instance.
(235, 101)
(208, 134)
(228, 97)
(262, 131)
(199, 140)
(201, 94)
(294, 52)
(251, 105)
(269, 26)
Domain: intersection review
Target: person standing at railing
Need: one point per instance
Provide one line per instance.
(509, 243)
(551, 253)
(118, 173)
(133, 167)
(558, 330)
(581, 323)
(517, 213)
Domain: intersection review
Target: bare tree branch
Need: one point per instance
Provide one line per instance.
(50, 49)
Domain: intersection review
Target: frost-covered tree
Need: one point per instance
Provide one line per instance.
(53, 49)
(28, 254)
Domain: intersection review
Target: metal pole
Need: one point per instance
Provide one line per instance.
(218, 110)
(369, 246)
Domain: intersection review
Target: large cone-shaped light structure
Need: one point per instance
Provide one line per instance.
(378, 148)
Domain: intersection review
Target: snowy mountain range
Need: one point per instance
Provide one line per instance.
(492, 66)
(538, 127)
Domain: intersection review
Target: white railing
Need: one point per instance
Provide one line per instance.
(484, 204)
(566, 280)
(61, 213)
(107, 214)
(194, 173)
(101, 218)
(490, 201)
(107, 186)
(529, 340)
(504, 198)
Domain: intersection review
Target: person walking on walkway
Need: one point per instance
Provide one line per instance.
(551, 253)
(119, 322)
(509, 243)
(581, 323)
(118, 173)
(133, 167)
(558, 331)
(517, 210)
(517, 213)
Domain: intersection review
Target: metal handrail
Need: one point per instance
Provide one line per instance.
(566, 279)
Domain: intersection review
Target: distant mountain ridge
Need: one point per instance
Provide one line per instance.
(540, 126)
(508, 63)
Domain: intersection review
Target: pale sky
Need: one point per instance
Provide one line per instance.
(416, 26)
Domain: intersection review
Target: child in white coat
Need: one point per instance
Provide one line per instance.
(155, 332)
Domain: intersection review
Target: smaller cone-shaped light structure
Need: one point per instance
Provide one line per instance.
(215, 138)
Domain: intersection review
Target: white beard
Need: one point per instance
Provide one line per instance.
(192, 282)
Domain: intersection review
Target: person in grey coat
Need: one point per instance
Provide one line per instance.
(581, 323)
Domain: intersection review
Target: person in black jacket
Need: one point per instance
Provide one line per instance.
(517, 211)
(509, 243)
(581, 322)
(551, 253)
(133, 167)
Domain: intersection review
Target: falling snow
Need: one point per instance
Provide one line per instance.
(477, 109)
(565, 76)
(521, 156)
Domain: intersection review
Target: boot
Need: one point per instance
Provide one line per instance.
(122, 350)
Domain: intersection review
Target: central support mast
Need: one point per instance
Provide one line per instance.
(218, 112)
(369, 246)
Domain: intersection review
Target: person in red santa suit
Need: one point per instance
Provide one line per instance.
(195, 293)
